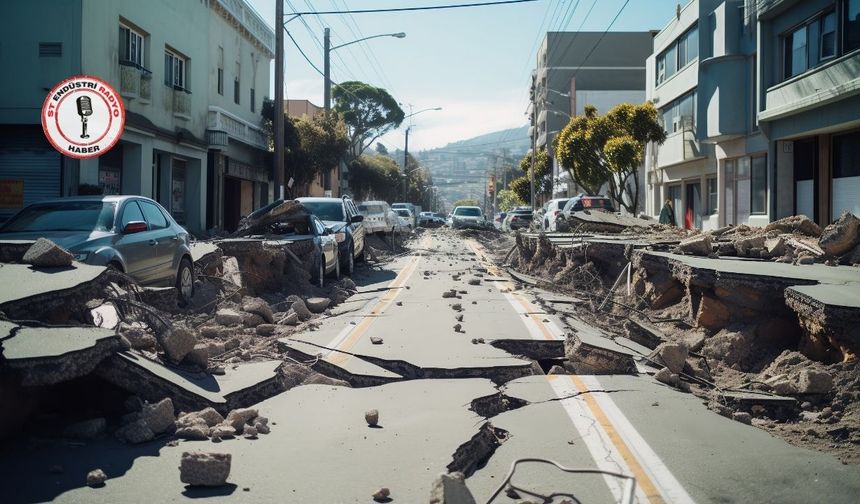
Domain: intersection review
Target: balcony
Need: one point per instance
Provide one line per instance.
(134, 81)
(826, 84)
(247, 19)
(679, 147)
(769, 8)
(222, 121)
(723, 95)
(181, 104)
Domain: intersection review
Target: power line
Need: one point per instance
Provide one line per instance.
(407, 9)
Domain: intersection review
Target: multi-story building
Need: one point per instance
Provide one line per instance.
(575, 69)
(182, 139)
(713, 164)
(810, 104)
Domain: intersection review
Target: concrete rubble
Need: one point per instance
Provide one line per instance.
(205, 468)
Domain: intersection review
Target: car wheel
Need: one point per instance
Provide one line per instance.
(350, 261)
(336, 273)
(318, 277)
(361, 257)
(185, 280)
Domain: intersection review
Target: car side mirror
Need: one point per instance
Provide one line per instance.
(134, 227)
(357, 218)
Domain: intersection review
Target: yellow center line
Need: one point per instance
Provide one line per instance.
(642, 480)
(384, 302)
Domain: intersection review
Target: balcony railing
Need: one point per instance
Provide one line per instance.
(134, 81)
(679, 146)
(222, 121)
(250, 21)
(182, 104)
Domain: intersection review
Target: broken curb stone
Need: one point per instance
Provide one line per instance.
(96, 478)
(372, 417)
(204, 468)
(317, 304)
(47, 254)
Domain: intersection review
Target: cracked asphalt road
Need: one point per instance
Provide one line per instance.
(431, 385)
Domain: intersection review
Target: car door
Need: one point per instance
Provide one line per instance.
(327, 243)
(138, 250)
(357, 227)
(167, 243)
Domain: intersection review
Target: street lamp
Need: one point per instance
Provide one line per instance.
(406, 148)
(327, 66)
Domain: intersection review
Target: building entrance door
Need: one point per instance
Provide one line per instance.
(693, 212)
(806, 178)
(232, 203)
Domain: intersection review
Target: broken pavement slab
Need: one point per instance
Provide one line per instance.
(422, 424)
(50, 355)
(242, 385)
(49, 295)
(594, 351)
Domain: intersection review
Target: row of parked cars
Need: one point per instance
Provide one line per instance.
(553, 215)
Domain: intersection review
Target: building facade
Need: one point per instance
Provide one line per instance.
(761, 103)
(161, 58)
(575, 69)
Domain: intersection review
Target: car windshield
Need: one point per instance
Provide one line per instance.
(325, 210)
(563, 202)
(402, 212)
(468, 212)
(63, 216)
(371, 209)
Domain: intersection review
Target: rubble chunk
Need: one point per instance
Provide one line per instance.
(198, 430)
(239, 417)
(713, 314)
(178, 342)
(301, 310)
(87, 429)
(135, 432)
(199, 355)
(451, 489)
(96, 478)
(775, 247)
(795, 223)
(376, 340)
(209, 416)
(222, 431)
(317, 304)
(745, 245)
(159, 416)
(672, 355)
(666, 376)
(250, 431)
(138, 337)
(474, 281)
(266, 329)
(841, 236)
(814, 381)
(228, 317)
(697, 245)
(372, 417)
(204, 468)
(742, 417)
(251, 319)
(382, 495)
(292, 318)
(260, 307)
(262, 428)
(209, 332)
(47, 254)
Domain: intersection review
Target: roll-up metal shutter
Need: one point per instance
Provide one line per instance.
(29, 160)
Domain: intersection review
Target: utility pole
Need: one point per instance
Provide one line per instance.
(279, 99)
(406, 165)
(327, 69)
(532, 169)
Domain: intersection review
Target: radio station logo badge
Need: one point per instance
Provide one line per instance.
(83, 117)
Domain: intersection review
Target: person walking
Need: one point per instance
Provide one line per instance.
(667, 214)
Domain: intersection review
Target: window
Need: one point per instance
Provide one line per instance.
(712, 196)
(680, 114)
(220, 71)
(795, 52)
(758, 183)
(252, 100)
(810, 44)
(852, 25)
(236, 87)
(153, 215)
(174, 70)
(679, 54)
(130, 46)
(131, 213)
(827, 43)
(845, 186)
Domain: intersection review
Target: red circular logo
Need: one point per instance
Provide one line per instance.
(83, 117)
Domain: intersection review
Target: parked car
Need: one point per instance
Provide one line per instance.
(132, 234)
(378, 217)
(429, 219)
(517, 218)
(551, 210)
(341, 218)
(468, 217)
(412, 210)
(499, 219)
(407, 220)
(585, 202)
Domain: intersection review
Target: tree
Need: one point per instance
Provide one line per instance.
(312, 144)
(542, 171)
(507, 199)
(381, 149)
(609, 149)
(375, 177)
(370, 112)
(521, 186)
(466, 202)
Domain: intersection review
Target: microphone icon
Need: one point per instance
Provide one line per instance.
(85, 109)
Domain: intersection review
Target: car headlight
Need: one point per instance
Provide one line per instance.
(340, 237)
(81, 256)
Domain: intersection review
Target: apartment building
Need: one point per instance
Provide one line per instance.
(810, 96)
(182, 140)
(575, 69)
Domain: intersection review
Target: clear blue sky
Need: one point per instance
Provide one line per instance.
(475, 62)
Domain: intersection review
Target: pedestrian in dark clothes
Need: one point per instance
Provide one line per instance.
(667, 214)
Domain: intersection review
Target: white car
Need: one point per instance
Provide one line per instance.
(378, 217)
(406, 219)
(551, 212)
(468, 217)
